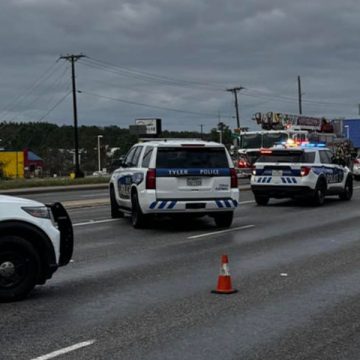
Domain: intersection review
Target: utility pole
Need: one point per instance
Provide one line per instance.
(299, 94)
(72, 59)
(201, 130)
(235, 91)
(220, 129)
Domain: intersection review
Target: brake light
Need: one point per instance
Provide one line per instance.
(234, 179)
(304, 171)
(356, 161)
(151, 179)
(243, 164)
(265, 151)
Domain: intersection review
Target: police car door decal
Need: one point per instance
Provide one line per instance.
(125, 182)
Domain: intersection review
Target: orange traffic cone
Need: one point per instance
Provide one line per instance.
(224, 280)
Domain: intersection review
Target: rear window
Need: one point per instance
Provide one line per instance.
(271, 139)
(288, 157)
(191, 158)
(251, 141)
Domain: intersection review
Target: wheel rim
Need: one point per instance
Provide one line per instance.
(13, 269)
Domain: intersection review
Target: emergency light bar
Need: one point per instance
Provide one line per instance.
(314, 145)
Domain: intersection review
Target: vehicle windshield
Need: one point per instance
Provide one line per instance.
(270, 140)
(250, 141)
(288, 157)
(191, 157)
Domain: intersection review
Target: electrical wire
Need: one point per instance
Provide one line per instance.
(153, 76)
(148, 105)
(48, 89)
(146, 76)
(22, 97)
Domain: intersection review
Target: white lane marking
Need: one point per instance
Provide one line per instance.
(246, 202)
(64, 350)
(221, 231)
(91, 222)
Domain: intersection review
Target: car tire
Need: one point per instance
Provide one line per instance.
(319, 194)
(138, 219)
(224, 219)
(348, 191)
(20, 268)
(114, 207)
(262, 200)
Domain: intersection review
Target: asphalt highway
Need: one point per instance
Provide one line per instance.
(146, 294)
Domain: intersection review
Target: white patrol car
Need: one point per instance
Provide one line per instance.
(35, 239)
(307, 171)
(175, 176)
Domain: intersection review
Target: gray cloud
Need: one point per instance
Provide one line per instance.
(258, 44)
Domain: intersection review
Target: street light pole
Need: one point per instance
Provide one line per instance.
(99, 154)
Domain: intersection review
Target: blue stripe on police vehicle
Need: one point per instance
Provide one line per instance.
(333, 174)
(192, 172)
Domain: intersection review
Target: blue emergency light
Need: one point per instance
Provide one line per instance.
(314, 145)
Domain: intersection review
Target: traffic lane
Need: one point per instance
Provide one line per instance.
(139, 332)
(69, 195)
(157, 277)
(102, 212)
(80, 194)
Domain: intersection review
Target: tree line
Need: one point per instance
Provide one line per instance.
(55, 143)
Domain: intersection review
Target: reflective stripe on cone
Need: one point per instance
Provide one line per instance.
(224, 285)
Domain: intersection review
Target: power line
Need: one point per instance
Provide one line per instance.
(148, 105)
(156, 76)
(45, 91)
(14, 135)
(142, 78)
(146, 76)
(28, 92)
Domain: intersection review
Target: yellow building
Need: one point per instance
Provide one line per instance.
(12, 164)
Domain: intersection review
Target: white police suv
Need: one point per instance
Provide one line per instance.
(175, 176)
(35, 239)
(306, 172)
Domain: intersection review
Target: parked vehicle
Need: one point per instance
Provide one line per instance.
(175, 176)
(308, 172)
(356, 168)
(35, 239)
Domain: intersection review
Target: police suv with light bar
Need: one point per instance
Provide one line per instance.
(35, 239)
(300, 172)
(175, 176)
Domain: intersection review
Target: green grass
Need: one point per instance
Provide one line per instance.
(30, 183)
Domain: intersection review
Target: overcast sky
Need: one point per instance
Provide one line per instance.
(178, 57)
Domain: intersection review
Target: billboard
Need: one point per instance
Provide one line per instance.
(152, 126)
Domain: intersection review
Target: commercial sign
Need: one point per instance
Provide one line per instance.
(152, 126)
